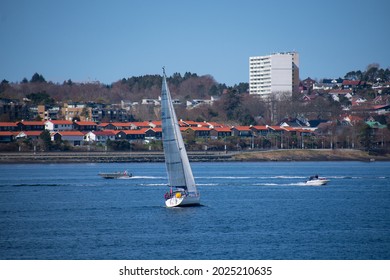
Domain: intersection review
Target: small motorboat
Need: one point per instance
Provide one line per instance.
(116, 175)
(316, 181)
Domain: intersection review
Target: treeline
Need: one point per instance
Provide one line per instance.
(134, 89)
(373, 74)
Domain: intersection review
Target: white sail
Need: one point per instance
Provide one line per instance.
(178, 167)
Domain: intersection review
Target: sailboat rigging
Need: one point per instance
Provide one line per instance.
(183, 191)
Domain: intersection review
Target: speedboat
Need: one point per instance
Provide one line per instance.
(116, 175)
(316, 181)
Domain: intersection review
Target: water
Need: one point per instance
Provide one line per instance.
(250, 211)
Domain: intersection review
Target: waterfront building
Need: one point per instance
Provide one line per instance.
(274, 74)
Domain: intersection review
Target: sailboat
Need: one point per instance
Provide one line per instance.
(183, 191)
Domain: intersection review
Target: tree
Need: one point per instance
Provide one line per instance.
(372, 73)
(46, 140)
(232, 104)
(354, 75)
(213, 91)
(37, 78)
(4, 85)
(366, 137)
(40, 98)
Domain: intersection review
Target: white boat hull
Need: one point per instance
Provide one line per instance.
(317, 182)
(182, 201)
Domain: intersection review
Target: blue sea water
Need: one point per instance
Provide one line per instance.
(256, 210)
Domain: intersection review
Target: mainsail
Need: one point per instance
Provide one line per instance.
(178, 167)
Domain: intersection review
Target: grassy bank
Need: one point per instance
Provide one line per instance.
(310, 155)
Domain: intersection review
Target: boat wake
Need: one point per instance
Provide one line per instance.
(148, 177)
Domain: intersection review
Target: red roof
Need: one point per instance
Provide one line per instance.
(242, 128)
(198, 128)
(6, 133)
(32, 123)
(215, 124)
(155, 129)
(122, 124)
(86, 123)
(156, 123)
(31, 133)
(8, 124)
(189, 123)
(222, 129)
(60, 122)
(260, 127)
(274, 127)
(134, 131)
(141, 124)
(70, 133)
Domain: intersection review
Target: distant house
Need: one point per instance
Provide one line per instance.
(259, 130)
(242, 131)
(307, 84)
(85, 125)
(100, 136)
(154, 133)
(196, 102)
(351, 84)
(381, 109)
(6, 136)
(150, 101)
(376, 125)
(220, 132)
(33, 135)
(274, 129)
(188, 124)
(58, 125)
(75, 138)
(298, 122)
(140, 125)
(30, 126)
(8, 126)
(212, 124)
(200, 132)
(131, 135)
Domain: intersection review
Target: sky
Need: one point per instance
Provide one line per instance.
(106, 41)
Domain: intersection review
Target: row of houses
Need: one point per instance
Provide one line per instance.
(78, 133)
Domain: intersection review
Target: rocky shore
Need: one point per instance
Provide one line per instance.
(274, 155)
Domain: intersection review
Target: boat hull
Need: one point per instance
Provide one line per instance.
(318, 182)
(182, 201)
(116, 175)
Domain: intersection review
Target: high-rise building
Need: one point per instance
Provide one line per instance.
(274, 74)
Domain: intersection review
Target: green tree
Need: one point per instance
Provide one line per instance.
(366, 137)
(232, 104)
(40, 98)
(4, 85)
(37, 78)
(46, 140)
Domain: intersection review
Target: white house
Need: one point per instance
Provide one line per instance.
(99, 136)
(58, 125)
(75, 138)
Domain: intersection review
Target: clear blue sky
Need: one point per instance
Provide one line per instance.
(110, 40)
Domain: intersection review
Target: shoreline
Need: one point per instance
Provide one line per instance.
(262, 155)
